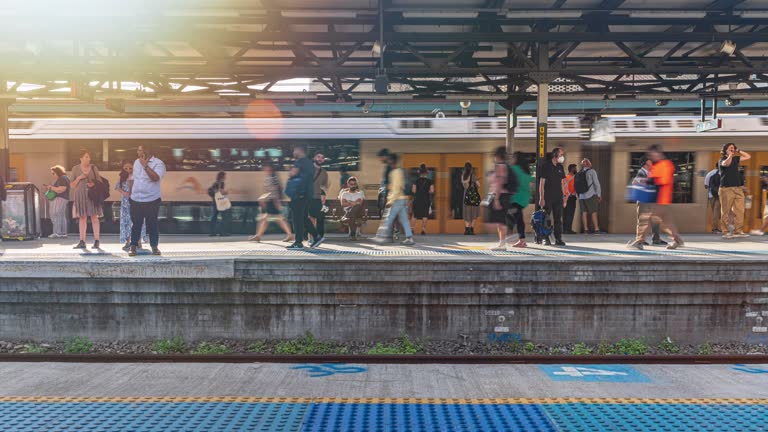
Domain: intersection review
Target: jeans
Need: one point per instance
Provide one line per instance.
(142, 212)
(226, 220)
(555, 209)
(570, 211)
(399, 210)
(59, 215)
(315, 207)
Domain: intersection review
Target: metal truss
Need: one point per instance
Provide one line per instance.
(242, 50)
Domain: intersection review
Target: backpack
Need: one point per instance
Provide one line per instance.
(580, 182)
(714, 185)
(472, 196)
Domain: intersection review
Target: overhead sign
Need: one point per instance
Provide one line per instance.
(708, 125)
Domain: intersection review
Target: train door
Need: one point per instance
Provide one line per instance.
(751, 181)
(17, 171)
(445, 172)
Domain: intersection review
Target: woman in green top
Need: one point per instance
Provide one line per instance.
(520, 198)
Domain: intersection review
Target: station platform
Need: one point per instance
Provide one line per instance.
(444, 288)
(431, 247)
(384, 397)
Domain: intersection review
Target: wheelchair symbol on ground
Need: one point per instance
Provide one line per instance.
(328, 369)
(595, 373)
(749, 369)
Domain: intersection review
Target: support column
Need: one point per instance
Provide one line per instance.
(511, 123)
(5, 157)
(542, 113)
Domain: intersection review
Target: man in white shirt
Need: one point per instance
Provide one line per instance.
(352, 199)
(145, 198)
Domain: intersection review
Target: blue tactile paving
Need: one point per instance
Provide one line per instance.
(151, 417)
(352, 417)
(315, 415)
(582, 417)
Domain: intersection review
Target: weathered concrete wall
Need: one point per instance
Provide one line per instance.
(345, 299)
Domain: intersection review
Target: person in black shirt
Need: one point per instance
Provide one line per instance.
(731, 190)
(304, 169)
(551, 197)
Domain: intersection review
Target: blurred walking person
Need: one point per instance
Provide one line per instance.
(397, 205)
(662, 174)
(271, 206)
(712, 185)
(521, 197)
(499, 189)
(300, 189)
(642, 208)
(317, 208)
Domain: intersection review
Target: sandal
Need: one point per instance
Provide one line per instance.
(255, 238)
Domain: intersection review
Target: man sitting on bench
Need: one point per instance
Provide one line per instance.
(353, 202)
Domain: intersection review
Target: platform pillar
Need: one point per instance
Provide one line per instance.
(5, 168)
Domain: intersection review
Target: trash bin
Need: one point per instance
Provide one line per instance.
(21, 212)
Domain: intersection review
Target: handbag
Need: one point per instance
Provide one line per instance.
(222, 202)
(51, 195)
(99, 192)
(472, 197)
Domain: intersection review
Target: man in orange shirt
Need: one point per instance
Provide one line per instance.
(663, 176)
(569, 192)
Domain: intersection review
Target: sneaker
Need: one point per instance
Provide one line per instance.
(520, 244)
(381, 240)
(727, 236)
(756, 232)
(96, 244)
(126, 247)
(156, 251)
(296, 246)
(318, 241)
(635, 245)
(132, 251)
(740, 235)
(645, 243)
(716, 231)
(547, 242)
(80, 245)
(559, 243)
(660, 242)
(499, 247)
(408, 242)
(53, 236)
(674, 245)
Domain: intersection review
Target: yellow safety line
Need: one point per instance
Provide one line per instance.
(490, 401)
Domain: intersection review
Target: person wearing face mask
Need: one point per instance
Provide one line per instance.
(589, 199)
(551, 197)
(352, 200)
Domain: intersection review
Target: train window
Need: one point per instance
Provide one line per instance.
(685, 167)
(95, 148)
(238, 155)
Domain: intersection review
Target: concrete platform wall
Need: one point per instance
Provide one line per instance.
(343, 299)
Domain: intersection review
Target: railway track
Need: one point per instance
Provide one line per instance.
(388, 359)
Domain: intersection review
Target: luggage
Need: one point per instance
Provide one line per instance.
(46, 227)
(641, 193)
(541, 224)
(21, 212)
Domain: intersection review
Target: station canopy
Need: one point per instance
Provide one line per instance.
(230, 52)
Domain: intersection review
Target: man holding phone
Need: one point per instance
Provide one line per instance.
(145, 198)
(731, 190)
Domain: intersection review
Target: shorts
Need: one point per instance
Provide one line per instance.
(271, 209)
(589, 205)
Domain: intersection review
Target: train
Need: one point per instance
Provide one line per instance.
(195, 149)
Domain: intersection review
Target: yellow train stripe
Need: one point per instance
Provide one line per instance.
(437, 401)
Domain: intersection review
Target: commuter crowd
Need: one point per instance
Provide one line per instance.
(509, 193)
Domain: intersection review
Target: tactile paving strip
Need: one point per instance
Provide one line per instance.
(150, 414)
